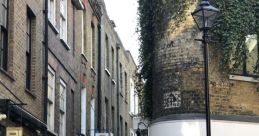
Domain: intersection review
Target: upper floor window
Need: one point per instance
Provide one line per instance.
(93, 46)
(51, 99)
(52, 11)
(3, 34)
(126, 86)
(63, 20)
(121, 80)
(113, 59)
(84, 48)
(107, 58)
(62, 108)
(30, 17)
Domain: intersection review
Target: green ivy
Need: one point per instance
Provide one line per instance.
(151, 15)
(236, 20)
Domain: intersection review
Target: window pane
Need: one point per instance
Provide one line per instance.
(62, 96)
(3, 14)
(2, 131)
(252, 56)
(3, 49)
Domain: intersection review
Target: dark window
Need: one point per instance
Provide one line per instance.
(113, 73)
(121, 77)
(113, 120)
(107, 114)
(30, 18)
(250, 66)
(126, 129)
(2, 131)
(3, 34)
(126, 86)
(107, 52)
(121, 126)
(93, 46)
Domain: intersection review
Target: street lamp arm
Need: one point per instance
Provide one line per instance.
(142, 124)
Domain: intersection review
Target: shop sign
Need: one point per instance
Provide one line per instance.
(14, 131)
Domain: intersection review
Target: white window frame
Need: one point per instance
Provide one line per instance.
(52, 11)
(83, 111)
(92, 119)
(62, 108)
(63, 20)
(51, 102)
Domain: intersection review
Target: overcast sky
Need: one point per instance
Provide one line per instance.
(124, 14)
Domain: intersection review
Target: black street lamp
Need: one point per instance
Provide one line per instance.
(138, 132)
(204, 17)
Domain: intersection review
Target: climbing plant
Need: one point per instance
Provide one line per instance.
(151, 15)
(237, 19)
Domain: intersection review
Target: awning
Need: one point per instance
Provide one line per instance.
(20, 115)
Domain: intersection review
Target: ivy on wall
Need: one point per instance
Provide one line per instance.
(146, 29)
(237, 19)
(151, 16)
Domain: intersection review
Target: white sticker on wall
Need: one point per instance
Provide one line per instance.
(172, 99)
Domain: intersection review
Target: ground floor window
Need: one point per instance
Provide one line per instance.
(2, 131)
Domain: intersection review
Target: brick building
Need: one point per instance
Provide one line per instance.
(59, 65)
(116, 72)
(63, 102)
(178, 92)
(21, 93)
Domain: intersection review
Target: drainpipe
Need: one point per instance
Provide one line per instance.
(118, 91)
(99, 83)
(45, 77)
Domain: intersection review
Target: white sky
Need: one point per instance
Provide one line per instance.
(124, 14)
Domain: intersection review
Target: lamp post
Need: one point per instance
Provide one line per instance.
(138, 130)
(204, 17)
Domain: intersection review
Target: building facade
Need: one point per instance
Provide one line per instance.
(117, 72)
(63, 70)
(178, 92)
(21, 37)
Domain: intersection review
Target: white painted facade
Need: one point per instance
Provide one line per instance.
(198, 128)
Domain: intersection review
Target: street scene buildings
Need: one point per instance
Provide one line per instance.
(64, 70)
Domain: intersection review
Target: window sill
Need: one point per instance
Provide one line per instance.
(121, 94)
(29, 92)
(51, 133)
(113, 81)
(107, 72)
(93, 70)
(7, 74)
(244, 78)
(65, 44)
(53, 27)
(84, 57)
